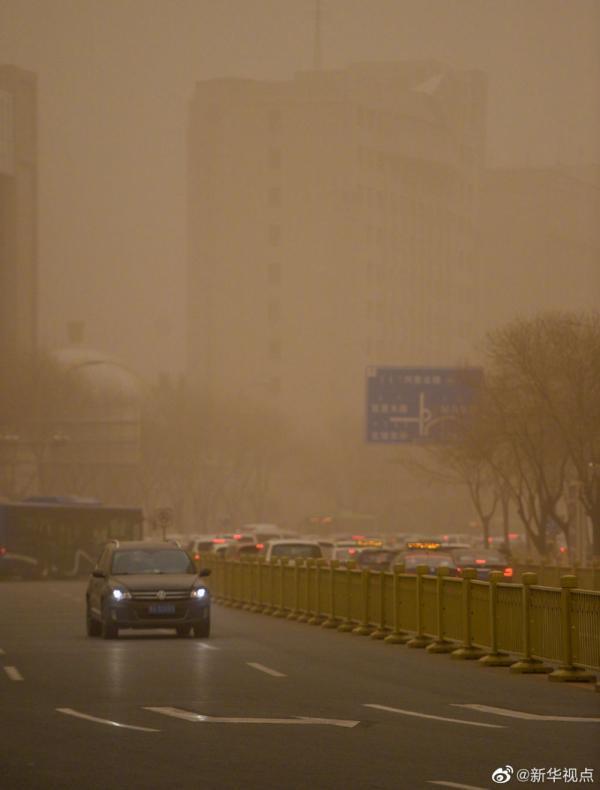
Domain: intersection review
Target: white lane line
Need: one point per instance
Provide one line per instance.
(177, 713)
(77, 714)
(518, 714)
(273, 672)
(455, 784)
(206, 646)
(13, 673)
(430, 716)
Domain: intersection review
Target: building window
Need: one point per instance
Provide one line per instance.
(275, 158)
(274, 120)
(275, 235)
(275, 350)
(274, 273)
(274, 310)
(275, 197)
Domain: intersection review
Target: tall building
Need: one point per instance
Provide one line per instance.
(331, 227)
(18, 210)
(539, 240)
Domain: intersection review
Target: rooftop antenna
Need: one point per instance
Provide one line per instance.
(317, 53)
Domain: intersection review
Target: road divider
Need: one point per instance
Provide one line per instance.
(493, 622)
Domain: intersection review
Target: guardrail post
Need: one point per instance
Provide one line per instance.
(381, 631)
(528, 664)
(258, 607)
(249, 572)
(332, 621)
(440, 644)
(269, 608)
(295, 613)
(317, 617)
(304, 615)
(419, 639)
(467, 651)
(495, 658)
(363, 628)
(568, 672)
(398, 636)
(280, 611)
(237, 584)
(347, 625)
(226, 597)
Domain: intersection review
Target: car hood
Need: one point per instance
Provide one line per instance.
(146, 582)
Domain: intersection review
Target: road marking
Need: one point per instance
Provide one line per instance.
(266, 670)
(518, 714)
(13, 673)
(71, 712)
(177, 713)
(206, 646)
(455, 784)
(430, 716)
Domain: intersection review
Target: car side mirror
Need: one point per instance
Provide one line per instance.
(98, 573)
(205, 572)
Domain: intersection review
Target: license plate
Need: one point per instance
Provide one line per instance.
(161, 608)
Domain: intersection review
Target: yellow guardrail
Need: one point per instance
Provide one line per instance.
(521, 626)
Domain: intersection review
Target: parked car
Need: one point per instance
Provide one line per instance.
(142, 584)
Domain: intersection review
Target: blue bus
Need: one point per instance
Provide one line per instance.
(60, 537)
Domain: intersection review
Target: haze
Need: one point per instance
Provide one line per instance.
(115, 80)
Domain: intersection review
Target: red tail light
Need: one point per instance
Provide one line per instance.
(197, 557)
(260, 546)
(237, 536)
(479, 562)
(562, 549)
(508, 571)
(2, 551)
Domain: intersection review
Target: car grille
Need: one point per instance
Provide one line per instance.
(169, 595)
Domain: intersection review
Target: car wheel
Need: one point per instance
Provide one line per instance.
(92, 626)
(108, 630)
(183, 630)
(202, 630)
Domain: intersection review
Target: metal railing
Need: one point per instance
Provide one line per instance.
(521, 626)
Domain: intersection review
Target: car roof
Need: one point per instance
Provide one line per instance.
(133, 545)
(294, 541)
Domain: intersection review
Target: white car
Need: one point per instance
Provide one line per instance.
(293, 549)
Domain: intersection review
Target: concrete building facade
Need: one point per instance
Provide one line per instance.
(18, 210)
(331, 227)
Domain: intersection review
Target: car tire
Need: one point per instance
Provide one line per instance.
(183, 630)
(108, 630)
(202, 630)
(92, 627)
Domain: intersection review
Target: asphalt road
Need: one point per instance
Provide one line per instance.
(150, 710)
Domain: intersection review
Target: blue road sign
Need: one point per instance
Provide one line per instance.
(417, 404)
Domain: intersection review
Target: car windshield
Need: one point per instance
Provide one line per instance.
(296, 550)
(151, 561)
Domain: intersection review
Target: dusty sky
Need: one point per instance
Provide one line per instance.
(115, 77)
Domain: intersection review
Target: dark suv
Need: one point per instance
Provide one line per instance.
(142, 584)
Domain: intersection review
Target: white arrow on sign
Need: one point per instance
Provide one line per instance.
(177, 713)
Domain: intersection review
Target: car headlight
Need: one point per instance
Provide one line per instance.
(199, 592)
(120, 595)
